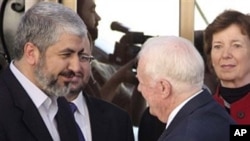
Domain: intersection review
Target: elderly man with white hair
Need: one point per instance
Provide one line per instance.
(171, 72)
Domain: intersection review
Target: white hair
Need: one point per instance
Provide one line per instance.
(173, 58)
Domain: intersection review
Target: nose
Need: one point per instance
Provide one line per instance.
(98, 18)
(75, 64)
(226, 53)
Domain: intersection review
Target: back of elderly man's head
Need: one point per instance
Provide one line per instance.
(172, 57)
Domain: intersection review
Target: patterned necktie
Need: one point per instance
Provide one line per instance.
(80, 134)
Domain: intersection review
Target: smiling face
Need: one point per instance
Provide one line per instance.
(61, 70)
(230, 56)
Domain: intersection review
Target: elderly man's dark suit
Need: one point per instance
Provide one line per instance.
(200, 119)
(20, 119)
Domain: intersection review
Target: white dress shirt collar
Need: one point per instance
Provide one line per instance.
(80, 103)
(47, 106)
(36, 95)
(82, 116)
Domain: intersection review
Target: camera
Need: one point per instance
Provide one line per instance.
(128, 46)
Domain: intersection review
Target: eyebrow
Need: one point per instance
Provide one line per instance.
(217, 43)
(237, 40)
(71, 50)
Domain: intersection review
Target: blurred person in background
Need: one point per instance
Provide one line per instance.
(107, 79)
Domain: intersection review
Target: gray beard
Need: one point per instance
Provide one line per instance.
(47, 83)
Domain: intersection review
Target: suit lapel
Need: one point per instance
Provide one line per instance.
(199, 100)
(161, 138)
(99, 124)
(35, 123)
(31, 116)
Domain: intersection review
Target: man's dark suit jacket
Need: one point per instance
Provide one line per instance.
(108, 122)
(200, 119)
(150, 127)
(20, 119)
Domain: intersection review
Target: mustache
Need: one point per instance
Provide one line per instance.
(70, 73)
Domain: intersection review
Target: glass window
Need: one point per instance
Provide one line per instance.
(155, 17)
(152, 17)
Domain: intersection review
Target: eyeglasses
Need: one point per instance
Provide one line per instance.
(86, 58)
